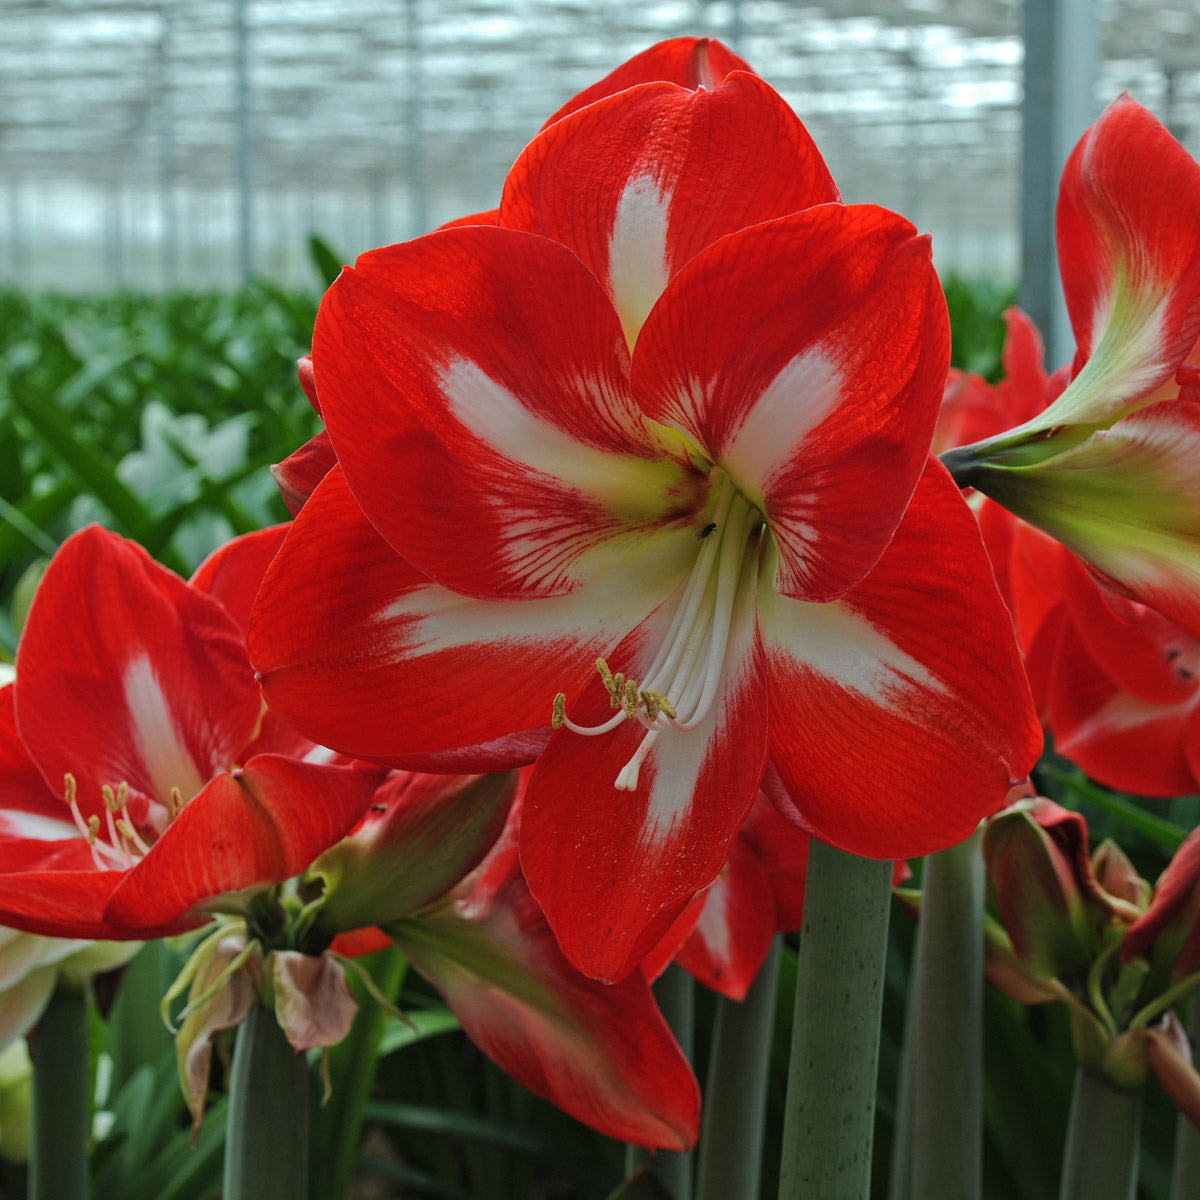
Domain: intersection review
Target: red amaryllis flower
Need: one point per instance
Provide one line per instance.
(1117, 682)
(1108, 465)
(136, 787)
(654, 462)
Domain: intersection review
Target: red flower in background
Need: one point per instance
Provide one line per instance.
(1106, 461)
(141, 783)
(1117, 682)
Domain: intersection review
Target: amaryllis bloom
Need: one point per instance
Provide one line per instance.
(639, 478)
(1107, 466)
(139, 782)
(1116, 682)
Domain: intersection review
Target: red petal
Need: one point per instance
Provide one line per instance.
(807, 357)
(1175, 896)
(639, 183)
(248, 829)
(612, 869)
(484, 425)
(1118, 738)
(689, 62)
(399, 669)
(60, 900)
(298, 475)
(731, 940)
(601, 1052)
(127, 674)
(1129, 246)
(900, 715)
(234, 573)
(28, 808)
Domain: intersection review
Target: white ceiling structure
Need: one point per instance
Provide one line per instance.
(181, 142)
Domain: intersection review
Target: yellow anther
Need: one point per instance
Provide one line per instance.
(123, 793)
(655, 701)
(631, 699)
(177, 802)
(606, 675)
(125, 829)
(110, 798)
(93, 827)
(69, 787)
(560, 711)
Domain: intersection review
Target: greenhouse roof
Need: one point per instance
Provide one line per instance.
(127, 129)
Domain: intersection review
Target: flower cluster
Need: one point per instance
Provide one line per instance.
(621, 568)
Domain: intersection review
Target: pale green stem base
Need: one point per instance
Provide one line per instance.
(735, 1097)
(829, 1120)
(1101, 1158)
(1185, 1173)
(266, 1143)
(675, 994)
(947, 1054)
(58, 1166)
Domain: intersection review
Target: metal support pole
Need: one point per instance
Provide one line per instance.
(245, 142)
(419, 207)
(1058, 104)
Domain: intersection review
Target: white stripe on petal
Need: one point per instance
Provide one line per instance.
(492, 413)
(158, 739)
(791, 406)
(34, 825)
(637, 252)
(843, 646)
(713, 925)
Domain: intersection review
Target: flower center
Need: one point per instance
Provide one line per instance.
(115, 843)
(683, 681)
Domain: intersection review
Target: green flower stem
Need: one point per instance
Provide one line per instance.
(676, 997)
(1101, 1158)
(336, 1128)
(58, 1167)
(735, 1098)
(947, 1054)
(829, 1118)
(1185, 1172)
(266, 1142)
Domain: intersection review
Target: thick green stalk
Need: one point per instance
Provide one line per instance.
(829, 1118)
(62, 1117)
(1185, 1172)
(266, 1141)
(735, 1097)
(1101, 1158)
(675, 994)
(947, 1057)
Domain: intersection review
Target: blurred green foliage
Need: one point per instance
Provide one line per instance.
(157, 416)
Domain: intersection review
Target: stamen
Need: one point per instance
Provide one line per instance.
(177, 802)
(683, 681)
(93, 828)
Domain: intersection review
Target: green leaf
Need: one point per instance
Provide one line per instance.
(426, 1023)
